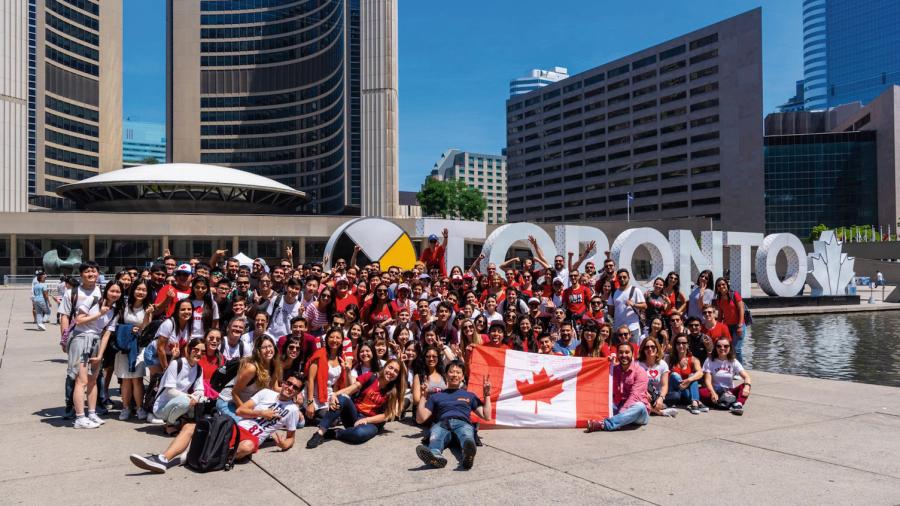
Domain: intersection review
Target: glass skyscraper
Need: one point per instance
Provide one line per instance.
(827, 178)
(851, 50)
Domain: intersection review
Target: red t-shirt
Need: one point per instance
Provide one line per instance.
(719, 330)
(375, 316)
(177, 292)
(341, 303)
(434, 257)
(728, 309)
(576, 299)
(501, 346)
(208, 366)
(370, 401)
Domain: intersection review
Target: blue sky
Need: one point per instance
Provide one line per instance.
(457, 57)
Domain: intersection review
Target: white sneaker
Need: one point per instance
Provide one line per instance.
(96, 419)
(41, 326)
(141, 414)
(670, 412)
(125, 414)
(155, 421)
(84, 422)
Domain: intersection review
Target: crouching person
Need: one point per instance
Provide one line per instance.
(631, 403)
(451, 409)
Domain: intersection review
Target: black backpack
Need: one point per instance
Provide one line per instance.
(227, 371)
(148, 334)
(214, 444)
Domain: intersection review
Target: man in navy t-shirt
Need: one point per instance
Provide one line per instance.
(451, 409)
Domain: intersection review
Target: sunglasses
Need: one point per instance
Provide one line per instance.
(723, 346)
(651, 347)
(291, 384)
(293, 347)
(622, 334)
(681, 343)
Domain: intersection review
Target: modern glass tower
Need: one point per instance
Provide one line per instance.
(273, 87)
(851, 50)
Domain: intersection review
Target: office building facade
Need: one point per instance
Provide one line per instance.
(143, 142)
(486, 173)
(14, 106)
(75, 94)
(273, 87)
(535, 79)
(836, 167)
(851, 50)
(675, 125)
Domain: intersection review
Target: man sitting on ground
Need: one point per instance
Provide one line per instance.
(451, 408)
(631, 403)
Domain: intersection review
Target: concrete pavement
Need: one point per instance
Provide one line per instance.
(800, 441)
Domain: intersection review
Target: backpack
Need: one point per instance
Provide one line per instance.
(214, 444)
(149, 333)
(227, 371)
(748, 317)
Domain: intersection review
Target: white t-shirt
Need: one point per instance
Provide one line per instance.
(197, 326)
(334, 373)
(84, 296)
(288, 415)
(105, 322)
(722, 372)
(280, 321)
(655, 373)
(229, 352)
(175, 338)
(695, 306)
(173, 382)
(626, 315)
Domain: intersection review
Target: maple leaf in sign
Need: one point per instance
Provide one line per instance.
(541, 388)
(830, 270)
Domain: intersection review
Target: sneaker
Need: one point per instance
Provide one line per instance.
(695, 410)
(427, 456)
(594, 425)
(125, 414)
(179, 459)
(315, 440)
(84, 422)
(330, 434)
(41, 326)
(151, 418)
(141, 414)
(671, 412)
(468, 451)
(96, 419)
(737, 409)
(704, 408)
(150, 463)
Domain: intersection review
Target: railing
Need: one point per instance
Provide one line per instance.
(20, 279)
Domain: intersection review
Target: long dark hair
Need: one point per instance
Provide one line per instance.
(119, 304)
(584, 348)
(516, 337)
(374, 364)
(207, 317)
(729, 291)
(176, 323)
(131, 299)
(421, 367)
(295, 368)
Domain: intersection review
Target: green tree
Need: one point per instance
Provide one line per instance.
(451, 199)
(816, 232)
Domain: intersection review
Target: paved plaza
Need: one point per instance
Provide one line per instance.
(800, 441)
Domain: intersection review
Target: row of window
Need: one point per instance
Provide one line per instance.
(85, 5)
(316, 142)
(71, 141)
(323, 122)
(73, 15)
(276, 113)
(67, 172)
(291, 97)
(72, 46)
(304, 9)
(294, 39)
(268, 58)
(72, 62)
(241, 5)
(694, 171)
(70, 29)
(70, 125)
(54, 153)
(71, 109)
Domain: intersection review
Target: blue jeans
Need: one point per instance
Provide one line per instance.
(636, 413)
(440, 436)
(227, 408)
(349, 415)
(678, 396)
(737, 342)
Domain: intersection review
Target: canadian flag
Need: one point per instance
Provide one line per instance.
(532, 390)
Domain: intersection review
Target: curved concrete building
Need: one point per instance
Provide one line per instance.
(271, 87)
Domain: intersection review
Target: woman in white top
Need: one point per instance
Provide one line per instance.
(173, 335)
(206, 311)
(181, 387)
(130, 371)
(719, 370)
(650, 359)
(93, 318)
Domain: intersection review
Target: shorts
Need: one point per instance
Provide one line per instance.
(82, 347)
(247, 436)
(122, 366)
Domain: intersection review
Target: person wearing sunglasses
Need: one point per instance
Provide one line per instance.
(684, 377)
(181, 386)
(265, 413)
(700, 344)
(650, 360)
(712, 326)
(718, 379)
(701, 295)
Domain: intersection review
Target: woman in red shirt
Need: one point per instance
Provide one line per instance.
(685, 373)
(731, 313)
(379, 311)
(379, 401)
(591, 344)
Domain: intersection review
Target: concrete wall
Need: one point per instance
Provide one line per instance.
(13, 106)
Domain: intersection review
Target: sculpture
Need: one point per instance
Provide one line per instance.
(830, 270)
(53, 264)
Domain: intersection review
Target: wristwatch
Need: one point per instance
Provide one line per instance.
(310, 401)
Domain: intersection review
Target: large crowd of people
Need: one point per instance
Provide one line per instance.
(349, 348)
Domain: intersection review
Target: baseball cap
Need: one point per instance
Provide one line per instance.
(534, 300)
(424, 276)
(341, 279)
(184, 268)
(559, 280)
(432, 238)
(402, 286)
(456, 277)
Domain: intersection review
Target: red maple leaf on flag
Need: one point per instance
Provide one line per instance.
(541, 388)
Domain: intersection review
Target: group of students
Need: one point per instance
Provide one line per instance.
(351, 348)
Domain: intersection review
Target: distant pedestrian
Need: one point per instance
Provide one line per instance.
(40, 299)
(879, 278)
